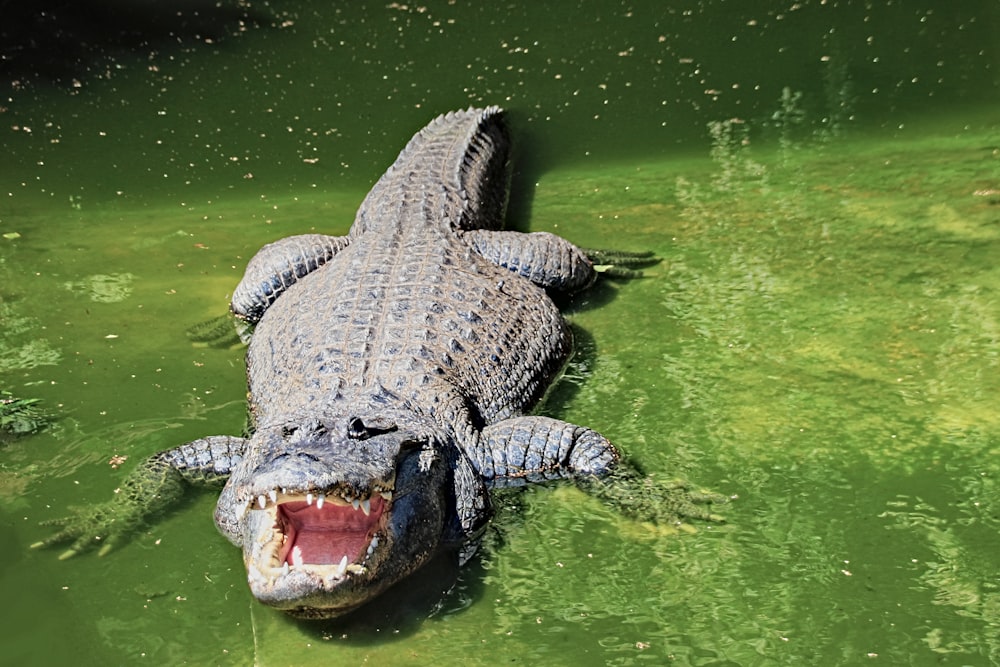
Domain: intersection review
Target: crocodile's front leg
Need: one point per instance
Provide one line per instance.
(279, 265)
(535, 448)
(152, 487)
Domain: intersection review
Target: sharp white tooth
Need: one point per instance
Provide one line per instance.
(355, 503)
(320, 501)
(285, 568)
(366, 506)
(297, 556)
(273, 495)
(342, 568)
(261, 501)
(309, 499)
(254, 574)
(386, 495)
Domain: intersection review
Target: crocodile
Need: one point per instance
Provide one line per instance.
(391, 374)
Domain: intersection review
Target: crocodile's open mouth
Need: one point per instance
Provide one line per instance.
(327, 535)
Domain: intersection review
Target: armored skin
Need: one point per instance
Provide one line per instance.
(391, 372)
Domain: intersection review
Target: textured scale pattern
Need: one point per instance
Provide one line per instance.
(207, 460)
(544, 259)
(277, 266)
(534, 449)
(412, 308)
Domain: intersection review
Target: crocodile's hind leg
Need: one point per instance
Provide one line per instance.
(269, 273)
(551, 261)
(277, 266)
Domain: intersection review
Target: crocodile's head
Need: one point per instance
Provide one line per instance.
(330, 515)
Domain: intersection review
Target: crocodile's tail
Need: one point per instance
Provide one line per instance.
(458, 165)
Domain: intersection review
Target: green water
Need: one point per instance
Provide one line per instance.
(821, 339)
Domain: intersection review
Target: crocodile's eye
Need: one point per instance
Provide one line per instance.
(288, 431)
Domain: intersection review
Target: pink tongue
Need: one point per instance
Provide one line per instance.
(324, 536)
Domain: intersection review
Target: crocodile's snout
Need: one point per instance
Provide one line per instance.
(341, 458)
(324, 523)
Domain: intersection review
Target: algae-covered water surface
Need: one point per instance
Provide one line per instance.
(820, 340)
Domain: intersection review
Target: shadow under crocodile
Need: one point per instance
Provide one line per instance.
(440, 588)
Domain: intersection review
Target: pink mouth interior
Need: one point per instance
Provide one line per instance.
(324, 536)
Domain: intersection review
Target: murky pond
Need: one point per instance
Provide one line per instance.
(821, 339)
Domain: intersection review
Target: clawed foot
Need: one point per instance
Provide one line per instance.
(673, 501)
(101, 526)
(619, 263)
(150, 487)
(650, 498)
(225, 331)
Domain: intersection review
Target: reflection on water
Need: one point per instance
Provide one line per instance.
(822, 181)
(103, 288)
